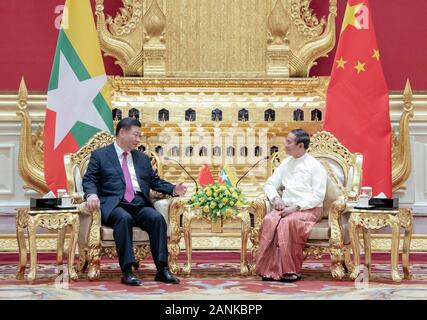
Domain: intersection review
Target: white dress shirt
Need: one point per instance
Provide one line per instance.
(304, 181)
(129, 158)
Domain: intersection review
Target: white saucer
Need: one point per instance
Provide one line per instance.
(363, 207)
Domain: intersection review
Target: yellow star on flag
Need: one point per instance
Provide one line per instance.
(376, 54)
(350, 17)
(359, 67)
(341, 63)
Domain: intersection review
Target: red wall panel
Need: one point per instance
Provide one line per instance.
(401, 29)
(28, 39)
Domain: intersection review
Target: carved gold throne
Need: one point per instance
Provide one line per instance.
(330, 235)
(96, 240)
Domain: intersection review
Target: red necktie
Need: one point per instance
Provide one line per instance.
(129, 192)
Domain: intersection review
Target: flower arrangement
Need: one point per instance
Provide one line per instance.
(218, 200)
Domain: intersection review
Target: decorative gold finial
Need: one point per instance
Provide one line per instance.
(278, 24)
(407, 97)
(22, 95)
(154, 22)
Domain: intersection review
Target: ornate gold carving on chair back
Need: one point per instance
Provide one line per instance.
(155, 162)
(221, 38)
(79, 160)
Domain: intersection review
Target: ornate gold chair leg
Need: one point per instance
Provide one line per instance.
(175, 210)
(188, 242)
(367, 245)
(337, 269)
(347, 259)
(60, 248)
(405, 252)
(20, 236)
(173, 249)
(395, 252)
(72, 249)
(94, 271)
(243, 253)
(33, 249)
(83, 259)
(356, 249)
(258, 209)
(254, 236)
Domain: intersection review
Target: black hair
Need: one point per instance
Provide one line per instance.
(126, 124)
(301, 136)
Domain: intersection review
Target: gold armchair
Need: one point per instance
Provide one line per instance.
(330, 235)
(96, 240)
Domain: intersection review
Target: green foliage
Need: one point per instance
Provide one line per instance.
(218, 201)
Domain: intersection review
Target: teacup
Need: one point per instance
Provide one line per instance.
(363, 201)
(61, 192)
(67, 200)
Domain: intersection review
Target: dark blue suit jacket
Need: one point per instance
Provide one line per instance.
(104, 177)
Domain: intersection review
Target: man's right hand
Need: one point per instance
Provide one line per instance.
(92, 202)
(278, 203)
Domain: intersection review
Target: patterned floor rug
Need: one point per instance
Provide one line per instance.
(215, 275)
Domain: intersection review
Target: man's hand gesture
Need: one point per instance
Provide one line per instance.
(92, 202)
(278, 203)
(180, 189)
(289, 210)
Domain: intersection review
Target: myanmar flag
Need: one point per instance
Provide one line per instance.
(357, 105)
(227, 176)
(77, 99)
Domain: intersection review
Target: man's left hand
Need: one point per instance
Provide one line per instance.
(180, 189)
(288, 210)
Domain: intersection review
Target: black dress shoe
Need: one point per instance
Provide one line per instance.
(130, 279)
(264, 278)
(164, 275)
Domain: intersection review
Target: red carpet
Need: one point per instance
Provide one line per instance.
(215, 275)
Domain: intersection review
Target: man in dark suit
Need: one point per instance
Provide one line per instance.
(118, 180)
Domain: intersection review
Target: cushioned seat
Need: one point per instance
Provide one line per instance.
(320, 231)
(330, 234)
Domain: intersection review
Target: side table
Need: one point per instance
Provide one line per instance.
(374, 220)
(50, 219)
(191, 214)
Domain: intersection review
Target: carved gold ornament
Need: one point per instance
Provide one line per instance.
(192, 38)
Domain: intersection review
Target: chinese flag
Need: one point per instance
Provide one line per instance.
(205, 176)
(357, 105)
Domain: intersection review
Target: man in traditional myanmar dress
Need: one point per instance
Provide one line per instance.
(284, 231)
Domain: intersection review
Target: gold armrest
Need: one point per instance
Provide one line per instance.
(336, 210)
(93, 218)
(78, 199)
(84, 209)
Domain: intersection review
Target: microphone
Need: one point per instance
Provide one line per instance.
(256, 163)
(195, 182)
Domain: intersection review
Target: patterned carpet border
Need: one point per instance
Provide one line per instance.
(215, 275)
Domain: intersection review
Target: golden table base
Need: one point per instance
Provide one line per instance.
(377, 219)
(191, 214)
(50, 219)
